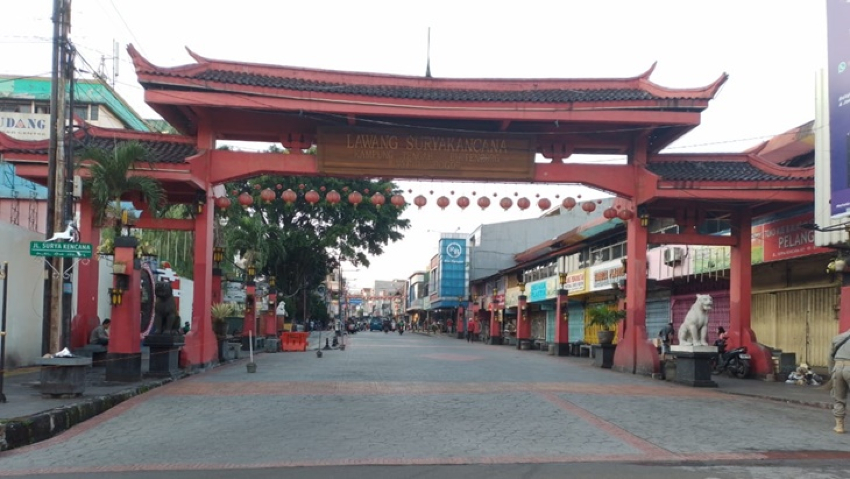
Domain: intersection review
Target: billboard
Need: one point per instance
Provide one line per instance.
(452, 268)
(838, 96)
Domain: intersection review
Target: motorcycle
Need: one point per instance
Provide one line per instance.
(400, 331)
(735, 362)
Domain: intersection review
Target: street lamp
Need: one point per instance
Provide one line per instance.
(218, 255)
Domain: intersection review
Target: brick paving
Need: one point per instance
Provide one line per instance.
(418, 400)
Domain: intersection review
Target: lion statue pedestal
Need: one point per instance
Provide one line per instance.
(693, 365)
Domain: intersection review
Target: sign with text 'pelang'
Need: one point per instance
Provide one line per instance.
(415, 153)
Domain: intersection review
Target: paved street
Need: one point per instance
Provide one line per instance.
(440, 407)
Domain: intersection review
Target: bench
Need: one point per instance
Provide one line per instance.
(584, 350)
(96, 352)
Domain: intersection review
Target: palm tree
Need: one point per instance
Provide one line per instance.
(110, 178)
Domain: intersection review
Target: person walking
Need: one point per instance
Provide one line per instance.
(666, 334)
(839, 365)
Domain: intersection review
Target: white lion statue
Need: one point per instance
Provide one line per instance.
(694, 330)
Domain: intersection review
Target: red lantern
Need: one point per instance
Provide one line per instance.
(322, 188)
(257, 186)
(484, 202)
(506, 203)
(588, 206)
(598, 202)
(463, 202)
(442, 202)
(397, 201)
(523, 203)
(420, 201)
(234, 192)
(378, 200)
(569, 203)
(345, 189)
(332, 197)
(609, 213)
(625, 215)
(289, 196)
(246, 200)
(366, 191)
(301, 186)
(222, 202)
(312, 197)
(279, 186)
(544, 204)
(355, 198)
(267, 195)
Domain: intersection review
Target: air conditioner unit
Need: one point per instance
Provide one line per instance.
(673, 255)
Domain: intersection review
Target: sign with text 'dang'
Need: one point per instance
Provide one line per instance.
(60, 250)
(400, 153)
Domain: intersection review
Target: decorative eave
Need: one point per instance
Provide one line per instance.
(701, 168)
(186, 75)
(170, 146)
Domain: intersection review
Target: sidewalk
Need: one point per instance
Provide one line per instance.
(774, 391)
(28, 417)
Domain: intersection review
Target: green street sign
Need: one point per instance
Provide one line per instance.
(60, 250)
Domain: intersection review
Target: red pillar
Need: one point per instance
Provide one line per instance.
(88, 281)
(740, 295)
(270, 327)
(844, 313)
(249, 328)
(216, 286)
(495, 326)
(523, 325)
(562, 329)
(124, 362)
(201, 346)
(634, 353)
(460, 322)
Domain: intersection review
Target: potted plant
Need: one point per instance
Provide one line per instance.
(606, 318)
(220, 312)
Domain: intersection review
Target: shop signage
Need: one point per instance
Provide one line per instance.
(576, 282)
(25, 126)
(785, 239)
(606, 274)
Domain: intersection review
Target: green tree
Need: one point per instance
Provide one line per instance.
(300, 243)
(111, 179)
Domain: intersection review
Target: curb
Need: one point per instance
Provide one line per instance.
(797, 402)
(27, 430)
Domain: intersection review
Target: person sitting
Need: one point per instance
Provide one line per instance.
(100, 334)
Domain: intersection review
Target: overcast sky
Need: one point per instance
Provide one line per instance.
(770, 48)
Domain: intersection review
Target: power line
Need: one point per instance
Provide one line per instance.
(136, 40)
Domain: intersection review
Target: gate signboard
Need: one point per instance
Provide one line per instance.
(404, 153)
(60, 250)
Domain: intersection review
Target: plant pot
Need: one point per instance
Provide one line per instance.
(252, 367)
(220, 329)
(605, 337)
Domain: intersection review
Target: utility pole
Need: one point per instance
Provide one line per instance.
(68, 203)
(51, 320)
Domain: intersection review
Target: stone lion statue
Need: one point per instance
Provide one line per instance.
(165, 318)
(694, 330)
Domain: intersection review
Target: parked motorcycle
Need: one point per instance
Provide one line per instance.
(735, 362)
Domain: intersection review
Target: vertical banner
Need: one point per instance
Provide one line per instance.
(838, 54)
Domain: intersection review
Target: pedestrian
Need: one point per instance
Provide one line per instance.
(666, 334)
(839, 365)
(100, 334)
(186, 327)
(449, 325)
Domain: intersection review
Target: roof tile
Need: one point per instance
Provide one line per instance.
(711, 171)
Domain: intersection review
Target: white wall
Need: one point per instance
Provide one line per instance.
(25, 286)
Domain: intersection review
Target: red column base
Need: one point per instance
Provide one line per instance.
(761, 363)
(199, 350)
(636, 357)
